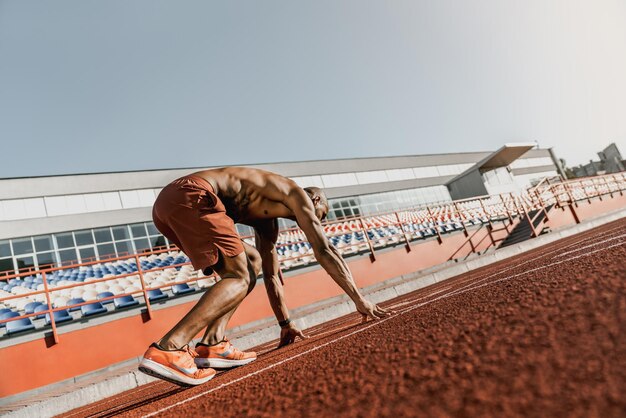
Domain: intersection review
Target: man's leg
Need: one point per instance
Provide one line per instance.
(215, 331)
(216, 302)
(171, 359)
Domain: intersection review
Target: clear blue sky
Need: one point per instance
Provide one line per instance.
(91, 86)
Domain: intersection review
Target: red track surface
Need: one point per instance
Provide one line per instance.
(543, 334)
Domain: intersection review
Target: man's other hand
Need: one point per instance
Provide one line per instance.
(288, 335)
(371, 310)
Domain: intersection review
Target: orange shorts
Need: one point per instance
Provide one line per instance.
(191, 215)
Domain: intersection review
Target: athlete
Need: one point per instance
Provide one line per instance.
(198, 213)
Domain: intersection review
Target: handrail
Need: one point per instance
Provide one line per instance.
(428, 218)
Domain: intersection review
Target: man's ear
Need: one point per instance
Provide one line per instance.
(315, 200)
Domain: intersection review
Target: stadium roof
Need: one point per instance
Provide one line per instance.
(503, 157)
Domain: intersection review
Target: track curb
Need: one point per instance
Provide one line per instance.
(260, 332)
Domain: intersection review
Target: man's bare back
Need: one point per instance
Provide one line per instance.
(251, 195)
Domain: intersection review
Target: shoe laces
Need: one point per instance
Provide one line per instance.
(193, 353)
(237, 352)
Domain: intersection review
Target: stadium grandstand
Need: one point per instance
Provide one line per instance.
(47, 221)
(80, 258)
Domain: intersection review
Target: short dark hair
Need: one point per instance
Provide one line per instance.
(317, 192)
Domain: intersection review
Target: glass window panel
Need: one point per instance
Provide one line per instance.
(25, 262)
(68, 255)
(105, 250)
(6, 264)
(157, 241)
(5, 249)
(83, 237)
(46, 259)
(22, 246)
(142, 244)
(152, 230)
(120, 232)
(103, 235)
(43, 243)
(65, 240)
(87, 254)
(138, 230)
(124, 248)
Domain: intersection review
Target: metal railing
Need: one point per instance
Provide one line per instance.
(398, 227)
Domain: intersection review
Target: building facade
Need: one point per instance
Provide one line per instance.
(48, 220)
(611, 161)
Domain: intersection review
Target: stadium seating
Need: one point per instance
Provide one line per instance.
(124, 302)
(19, 325)
(40, 308)
(105, 295)
(181, 289)
(7, 315)
(92, 309)
(59, 317)
(170, 271)
(155, 295)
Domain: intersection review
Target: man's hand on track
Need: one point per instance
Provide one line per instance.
(288, 335)
(371, 310)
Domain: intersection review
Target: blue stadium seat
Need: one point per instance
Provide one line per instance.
(30, 307)
(75, 301)
(156, 294)
(4, 310)
(8, 315)
(181, 289)
(40, 308)
(125, 302)
(103, 295)
(19, 325)
(93, 309)
(59, 316)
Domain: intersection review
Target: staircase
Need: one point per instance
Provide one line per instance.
(523, 230)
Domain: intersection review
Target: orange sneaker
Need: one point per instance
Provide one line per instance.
(176, 366)
(222, 355)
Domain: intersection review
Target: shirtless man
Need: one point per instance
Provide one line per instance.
(198, 213)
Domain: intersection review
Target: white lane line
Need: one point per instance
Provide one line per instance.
(137, 389)
(378, 322)
(471, 286)
(515, 266)
(591, 245)
(474, 281)
(474, 286)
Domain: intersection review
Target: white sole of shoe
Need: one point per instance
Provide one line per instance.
(152, 368)
(218, 363)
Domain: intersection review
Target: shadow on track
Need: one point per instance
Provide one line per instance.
(129, 406)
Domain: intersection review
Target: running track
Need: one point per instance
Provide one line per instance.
(542, 334)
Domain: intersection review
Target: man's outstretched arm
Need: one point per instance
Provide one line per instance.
(328, 257)
(266, 237)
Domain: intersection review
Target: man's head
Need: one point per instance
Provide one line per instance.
(318, 197)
